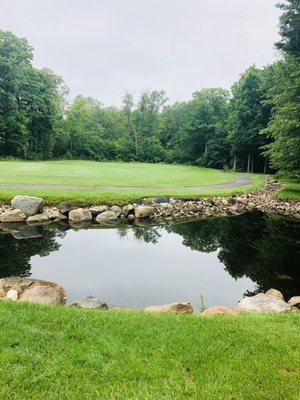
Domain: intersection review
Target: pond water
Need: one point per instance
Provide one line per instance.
(221, 259)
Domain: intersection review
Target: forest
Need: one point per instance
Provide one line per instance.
(254, 127)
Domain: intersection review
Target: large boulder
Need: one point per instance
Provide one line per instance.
(29, 205)
(217, 310)
(12, 216)
(182, 308)
(107, 217)
(90, 302)
(263, 302)
(32, 290)
(144, 211)
(80, 215)
(275, 293)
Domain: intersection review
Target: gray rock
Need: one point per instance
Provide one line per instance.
(38, 218)
(80, 215)
(263, 302)
(90, 302)
(96, 210)
(107, 217)
(160, 200)
(65, 207)
(144, 211)
(29, 205)
(12, 216)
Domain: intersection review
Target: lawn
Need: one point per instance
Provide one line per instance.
(291, 191)
(113, 182)
(63, 353)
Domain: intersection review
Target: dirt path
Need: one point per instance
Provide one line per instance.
(238, 181)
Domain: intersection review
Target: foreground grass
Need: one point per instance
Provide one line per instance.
(120, 182)
(63, 353)
(291, 191)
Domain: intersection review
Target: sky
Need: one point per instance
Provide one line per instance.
(103, 48)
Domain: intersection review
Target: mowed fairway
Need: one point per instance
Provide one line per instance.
(118, 182)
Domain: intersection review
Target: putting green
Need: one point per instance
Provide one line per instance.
(90, 181)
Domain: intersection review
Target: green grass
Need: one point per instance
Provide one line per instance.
(291, 191)
(63, 353)
(124, 181)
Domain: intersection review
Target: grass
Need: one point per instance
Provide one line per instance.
(121, 182)
(291, 191)
(63, 353)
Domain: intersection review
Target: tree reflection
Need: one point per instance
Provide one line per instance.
(15, 254)
(265, 248)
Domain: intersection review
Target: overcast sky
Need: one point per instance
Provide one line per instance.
(104, 47)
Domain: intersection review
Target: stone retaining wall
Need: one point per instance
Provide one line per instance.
(156, 210)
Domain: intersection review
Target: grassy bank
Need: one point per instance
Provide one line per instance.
(97, 182)
(63, 353)
(291, 191)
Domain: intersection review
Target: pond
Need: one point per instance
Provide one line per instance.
(221, 259)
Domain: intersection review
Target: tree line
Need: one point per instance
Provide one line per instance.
(254, 127)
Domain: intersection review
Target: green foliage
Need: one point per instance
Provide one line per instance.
(249, 115)
(254, 128)
(289, 24)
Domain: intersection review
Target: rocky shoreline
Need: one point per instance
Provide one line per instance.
(31, 210)
(44, 292)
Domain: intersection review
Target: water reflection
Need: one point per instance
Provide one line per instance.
(220, 258)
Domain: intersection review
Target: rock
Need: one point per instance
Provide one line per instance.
(33, 290)
(275, 293)
(241, 200)
(96, 210)
(144, 211)
(216, 310)
(263, 302)
(29, 205)
(12, 216)
(130, 217)
(65, 207)
(294, 301)
(107, 217)
(80, 215)
(12, 295)
(55, 214)
(38, 218)
(231, 200)
(117, 210)
(90, 302)
(183, 308)
(128, 209)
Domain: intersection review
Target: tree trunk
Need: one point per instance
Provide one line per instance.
(265, 166)
(206, 148)
(252, 164)
(248, 162)
(234, 163)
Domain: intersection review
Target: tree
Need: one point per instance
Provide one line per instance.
(289, 25)
(283, 89)
(249, 115)
(15, 72)
(204, 120)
